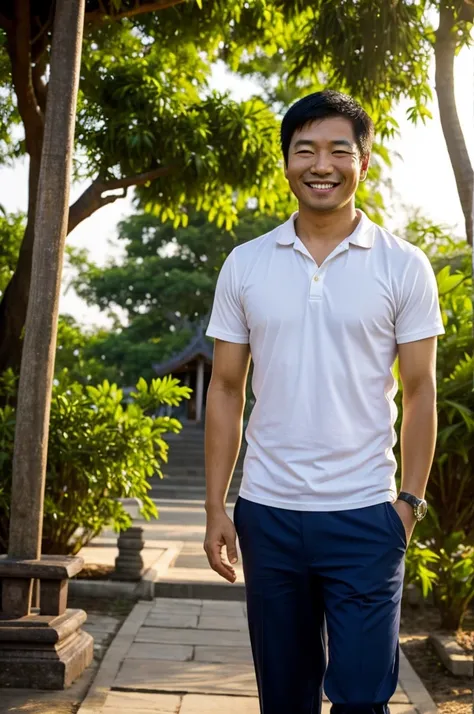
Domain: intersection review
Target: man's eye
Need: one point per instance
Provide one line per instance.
(304, 151)
(342, 153)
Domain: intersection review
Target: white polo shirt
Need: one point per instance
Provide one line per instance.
(323, 343)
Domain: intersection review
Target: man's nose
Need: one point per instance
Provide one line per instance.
(322, 164)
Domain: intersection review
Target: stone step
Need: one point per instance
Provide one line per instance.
(192, 479)
(187, 587)
(185, 494)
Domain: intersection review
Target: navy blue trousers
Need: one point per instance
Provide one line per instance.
(308, 571)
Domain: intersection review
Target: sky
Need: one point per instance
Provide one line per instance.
(422, 178)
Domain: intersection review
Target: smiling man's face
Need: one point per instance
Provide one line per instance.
(324, 164)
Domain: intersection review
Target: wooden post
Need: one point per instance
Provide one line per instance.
(37, 368)
(199, 390)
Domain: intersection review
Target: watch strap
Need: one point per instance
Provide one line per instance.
(409, 498)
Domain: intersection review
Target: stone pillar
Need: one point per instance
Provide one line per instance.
(46, 650)
(199, 390)
(129, 562)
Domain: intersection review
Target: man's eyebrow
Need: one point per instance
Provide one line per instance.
(344, 142)
(338, 142)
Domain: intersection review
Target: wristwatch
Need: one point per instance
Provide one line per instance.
(419, 505)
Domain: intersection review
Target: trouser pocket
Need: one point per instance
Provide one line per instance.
(396, 523)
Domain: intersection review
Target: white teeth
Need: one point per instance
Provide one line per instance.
(322, 185)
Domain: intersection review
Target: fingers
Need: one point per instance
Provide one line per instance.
(231, 545)
(224, 569)
(213, 546)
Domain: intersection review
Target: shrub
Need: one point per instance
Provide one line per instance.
(448, 530)
(100, 449)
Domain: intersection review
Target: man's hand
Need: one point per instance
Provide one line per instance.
(220, 531)
(405, 511)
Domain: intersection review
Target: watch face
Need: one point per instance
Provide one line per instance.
(421, 510)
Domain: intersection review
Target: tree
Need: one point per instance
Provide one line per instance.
(148, 120)
(380, 52)
(165, 284)
(36, 377)
(145, 119)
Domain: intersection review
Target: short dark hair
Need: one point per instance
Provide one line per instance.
(321, 105)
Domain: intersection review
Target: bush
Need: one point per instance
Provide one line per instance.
(448, 530)
(100, 449)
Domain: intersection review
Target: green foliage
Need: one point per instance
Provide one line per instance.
(165, 284)
(77, 354)
(100, 449)
(454, 586)
(419, 567)
(12, 227)
(450, 492)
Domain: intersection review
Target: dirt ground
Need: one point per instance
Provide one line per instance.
(452, 695)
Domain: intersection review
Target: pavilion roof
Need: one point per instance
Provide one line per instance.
(198, 346)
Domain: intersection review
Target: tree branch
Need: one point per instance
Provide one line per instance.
(18, 44)
(445, 50)
(5, 23)
(138, 179)
(92, 199)
(96, 16)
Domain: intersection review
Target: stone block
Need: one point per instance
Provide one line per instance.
(172, 620)
(48, 567)
(222, 638)
(16, 596)
(214, 608)
(44, 658)
(223, 655)
(199, 704)
(223, 623)
(176, 653)
(192, 677)
(53, 597)
(141, 703)
(453, 656)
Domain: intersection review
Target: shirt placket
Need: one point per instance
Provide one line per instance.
(317, 274)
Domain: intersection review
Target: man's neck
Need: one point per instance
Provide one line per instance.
(318, 227)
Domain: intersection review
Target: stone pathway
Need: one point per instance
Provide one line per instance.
(193, 657)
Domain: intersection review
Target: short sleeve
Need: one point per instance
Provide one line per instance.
(227, 317)
(418, 310)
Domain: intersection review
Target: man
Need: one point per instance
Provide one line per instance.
(323, 305)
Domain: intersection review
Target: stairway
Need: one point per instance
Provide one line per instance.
(184, 474)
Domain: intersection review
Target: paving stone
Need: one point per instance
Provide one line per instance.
(163, 601)
(171, 620)
(198, 704)
(400, 697)
(178, 653)
(222, 622)
(213, 608)
(223, 654)
(193, 677)
(402, 709)
(222, 638)
(105, 622)
(93, 629)
(138, 703)
(177, 611)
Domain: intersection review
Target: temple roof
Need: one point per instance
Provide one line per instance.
(199, 346)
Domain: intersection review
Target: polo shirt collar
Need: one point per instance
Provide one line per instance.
(362, 236)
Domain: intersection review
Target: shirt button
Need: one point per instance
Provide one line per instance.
(315, 278)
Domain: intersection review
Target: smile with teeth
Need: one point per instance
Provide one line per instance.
(322, 186)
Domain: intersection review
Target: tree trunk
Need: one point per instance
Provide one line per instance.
(445, 50)
(37, 367)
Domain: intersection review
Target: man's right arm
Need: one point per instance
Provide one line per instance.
(224, 416)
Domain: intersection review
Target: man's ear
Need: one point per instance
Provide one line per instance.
(364, 167)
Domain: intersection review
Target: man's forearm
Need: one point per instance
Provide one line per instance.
(224, 413)
(418, 439)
